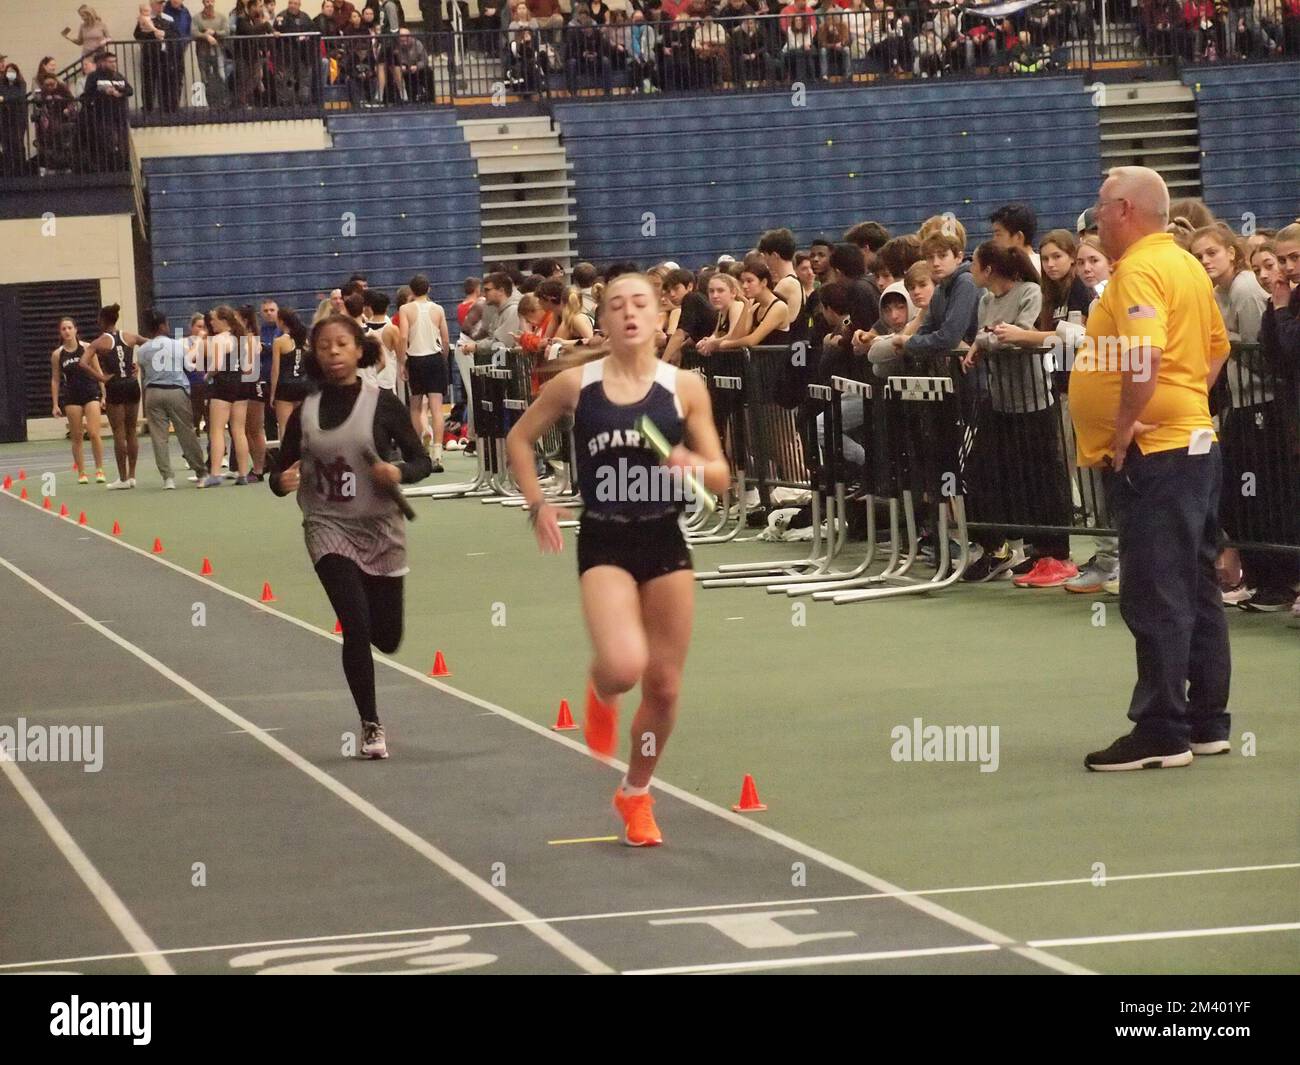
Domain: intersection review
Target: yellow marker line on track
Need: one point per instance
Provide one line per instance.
(588, 839)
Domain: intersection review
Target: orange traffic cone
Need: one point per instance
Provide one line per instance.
(439, 666)
(206, 569)
(338, 627)
(117, 529)
(268, 596)
(748, 797)
(81, 518)
(63, 510)
(9, 482)
(23, 493)
(46, 504)
(157, 546)
(22, 475)
(564, 721)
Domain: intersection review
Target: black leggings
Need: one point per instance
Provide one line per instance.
(370, 610)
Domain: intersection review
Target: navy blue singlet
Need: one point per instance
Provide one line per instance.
(619, 474)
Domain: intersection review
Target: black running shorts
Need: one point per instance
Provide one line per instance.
(428, 374)
(122, 390)
(225, 387)
(291, 391)
(646, 549)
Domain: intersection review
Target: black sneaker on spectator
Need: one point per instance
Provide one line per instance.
(1137, 752)
(990, 566)
(1022, 565)
(1268, 601)
(1201, 748)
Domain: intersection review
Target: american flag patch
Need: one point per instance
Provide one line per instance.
(1141, 312)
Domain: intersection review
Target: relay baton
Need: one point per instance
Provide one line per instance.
(656, 439)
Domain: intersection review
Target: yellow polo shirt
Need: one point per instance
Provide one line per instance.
(1159, 296)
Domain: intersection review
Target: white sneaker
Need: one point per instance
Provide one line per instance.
(193, 478)
(119, 485)
(374, 744)
(1111, 587)
(130, 481)
(169, 484)
(1238, 595)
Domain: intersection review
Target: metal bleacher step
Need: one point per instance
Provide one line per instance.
(499, 205)
(525, 190)
(523, 220)
(1153, 124)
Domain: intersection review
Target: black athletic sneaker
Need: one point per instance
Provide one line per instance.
(437, 467)
(1202, 748)
(471, 447)
(991, 566)
(1135, 752)
(1268, 601)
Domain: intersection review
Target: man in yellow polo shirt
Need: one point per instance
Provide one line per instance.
(1139, 401)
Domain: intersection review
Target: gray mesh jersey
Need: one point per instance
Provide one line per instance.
(343, 513)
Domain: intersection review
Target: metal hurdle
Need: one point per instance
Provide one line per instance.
(926, 444)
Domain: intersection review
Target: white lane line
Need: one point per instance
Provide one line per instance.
(494, 896)
(804, 963)
(660, 912)
(1186, 933)
(245, 732)
(931, 909)
(145, 948)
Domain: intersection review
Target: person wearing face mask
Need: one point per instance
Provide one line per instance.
(13, 122)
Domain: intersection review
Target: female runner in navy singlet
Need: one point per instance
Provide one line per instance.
(638, 589)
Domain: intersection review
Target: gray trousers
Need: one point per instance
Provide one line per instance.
(164, 405)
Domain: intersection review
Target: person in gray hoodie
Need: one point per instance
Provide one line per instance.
(500, 315)
(950, 318)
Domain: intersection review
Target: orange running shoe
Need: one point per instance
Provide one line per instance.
(638, 817)
(599, 723)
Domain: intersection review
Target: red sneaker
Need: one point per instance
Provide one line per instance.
(637, 812)
(598, 724)
(1048, 573)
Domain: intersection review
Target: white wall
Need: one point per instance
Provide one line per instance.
(242, 138)
(69, 249)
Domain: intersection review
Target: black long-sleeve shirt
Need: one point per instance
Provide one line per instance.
(392, 426)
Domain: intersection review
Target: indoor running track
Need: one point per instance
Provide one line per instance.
(228, 832)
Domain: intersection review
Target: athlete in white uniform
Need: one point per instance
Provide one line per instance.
(423, 327)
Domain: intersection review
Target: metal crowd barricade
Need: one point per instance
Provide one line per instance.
(1256, 404)
(722, 374)
(924, 423)
(1017, 453)
(776, 457)
(875, 483)
(484, 414)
